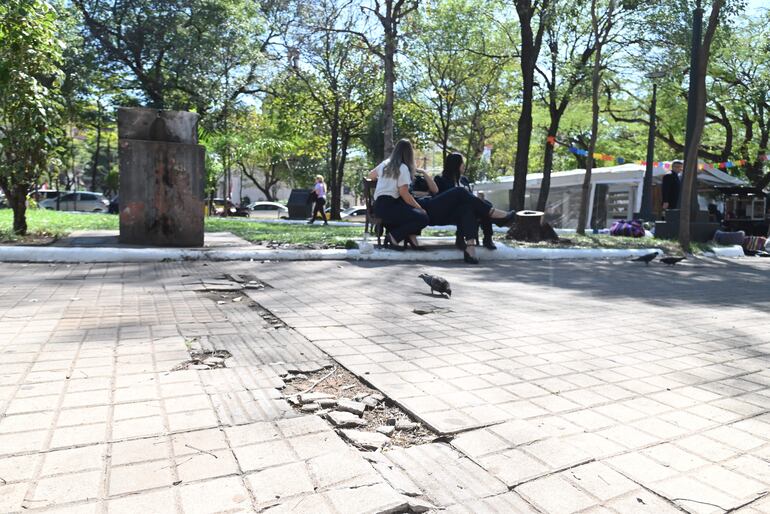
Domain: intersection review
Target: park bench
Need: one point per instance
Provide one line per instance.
(373, 224)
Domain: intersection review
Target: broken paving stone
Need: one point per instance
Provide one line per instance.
(377, 396)
(366, 440)
(313, 397)
(292, 376)
(238, 299)
(347, 405)
(327, 402)
(386, 430)
(370, 401)
(406, 425)
(310, 407)
(345, 419)
(360, 396)
(417, 505)
(214, 361)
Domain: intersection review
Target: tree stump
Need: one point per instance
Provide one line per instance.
(529, 226)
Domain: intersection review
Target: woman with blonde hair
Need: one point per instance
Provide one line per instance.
(393, 203)
(319, 190)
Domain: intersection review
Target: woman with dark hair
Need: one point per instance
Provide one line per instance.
(455, 205)
(393, 203)
(453, 175)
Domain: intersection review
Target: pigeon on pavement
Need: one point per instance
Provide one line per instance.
(671, 260)
(437, 284)
(646, 258)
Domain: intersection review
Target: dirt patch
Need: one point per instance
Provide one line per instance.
(31, 240)
(339, 384)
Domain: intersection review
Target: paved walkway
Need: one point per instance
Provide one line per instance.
(557, 387)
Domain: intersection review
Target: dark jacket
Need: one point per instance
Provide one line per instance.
(444, 184)
(670, 188)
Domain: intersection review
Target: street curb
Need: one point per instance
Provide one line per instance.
(39, 254)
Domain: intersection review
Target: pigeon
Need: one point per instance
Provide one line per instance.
(646, 258)
(671, 260)
(437, 284)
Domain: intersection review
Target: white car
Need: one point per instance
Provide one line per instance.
(357, 213)
(267, 210)
(84, 201)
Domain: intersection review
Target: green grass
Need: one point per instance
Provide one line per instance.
(45, 224)
(42, 223)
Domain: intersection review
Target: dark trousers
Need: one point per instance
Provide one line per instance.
(400, 219)
(319, 207)
(458, 206)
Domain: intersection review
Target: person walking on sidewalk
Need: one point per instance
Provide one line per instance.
(319, 189)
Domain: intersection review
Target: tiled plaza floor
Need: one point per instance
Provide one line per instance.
(558, 387)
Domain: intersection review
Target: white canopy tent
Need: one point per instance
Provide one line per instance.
(616, 192)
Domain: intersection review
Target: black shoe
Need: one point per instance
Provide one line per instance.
(310, 222)
(459, 243)
(506, 220)
(389, 242)
(488, 243)
(326, 222)
(469, 258)
(409, 244)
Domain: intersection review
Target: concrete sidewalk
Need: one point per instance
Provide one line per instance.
(552, 387)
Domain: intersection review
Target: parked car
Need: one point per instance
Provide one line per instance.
(84, 201)
(44, 194)
(357, 213)
(267, 210)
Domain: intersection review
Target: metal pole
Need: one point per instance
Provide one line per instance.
(646, 210)
(692, 107)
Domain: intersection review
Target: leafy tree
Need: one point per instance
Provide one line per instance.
(339, 79)
(458, 74)
(534, 17)
(176, 54)
(563, 70)
(691, 157)
(30, 56)
(388, 16)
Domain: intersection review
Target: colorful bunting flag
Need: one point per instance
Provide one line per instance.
(667, 165)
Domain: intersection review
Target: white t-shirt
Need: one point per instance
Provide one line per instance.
(388, 186)
(320, 190)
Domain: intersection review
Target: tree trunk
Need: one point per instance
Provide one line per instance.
(337, 192)
(95, 163)
(390, 79)
(595, 85)
(545, 184)
(18, 199)
(691, 159)
(524, 127)
(333, 157)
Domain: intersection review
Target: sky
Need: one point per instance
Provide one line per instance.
(753, 6)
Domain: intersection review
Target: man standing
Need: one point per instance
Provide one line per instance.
(672, 186)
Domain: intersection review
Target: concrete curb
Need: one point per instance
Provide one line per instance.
(503, 253)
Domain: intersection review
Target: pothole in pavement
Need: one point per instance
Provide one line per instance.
(202, 359)
(363, 416)
(225, 298)
(233, 282)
